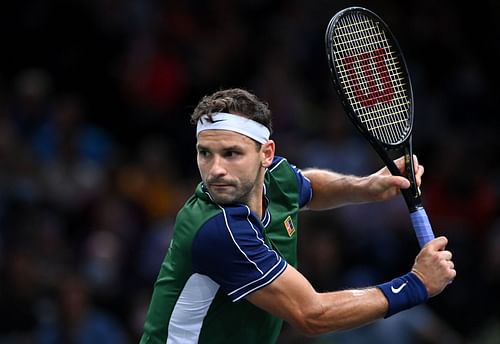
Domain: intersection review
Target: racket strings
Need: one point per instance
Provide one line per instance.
(372, 78)
(380, 121)
(383, 125)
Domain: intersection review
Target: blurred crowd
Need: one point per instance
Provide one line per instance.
(97, 155)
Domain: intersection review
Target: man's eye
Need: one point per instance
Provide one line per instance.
(203, 153)
(232, 153)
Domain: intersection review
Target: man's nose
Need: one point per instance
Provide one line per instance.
(218, 167)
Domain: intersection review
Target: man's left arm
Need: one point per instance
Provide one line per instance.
(332, 189)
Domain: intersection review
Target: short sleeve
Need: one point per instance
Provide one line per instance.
(305, 189)
(230, 249)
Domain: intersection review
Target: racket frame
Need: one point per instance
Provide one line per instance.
(412, 194)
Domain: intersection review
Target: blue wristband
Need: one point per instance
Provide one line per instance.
(403, 292)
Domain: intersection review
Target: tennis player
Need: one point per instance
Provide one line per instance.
(229, 274)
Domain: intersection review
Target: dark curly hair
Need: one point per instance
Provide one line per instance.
(237, 102)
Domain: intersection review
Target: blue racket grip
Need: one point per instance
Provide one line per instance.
(422, 226)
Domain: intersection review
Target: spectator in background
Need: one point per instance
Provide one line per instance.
(72, 153)
(76, 320)
(19, 294)
(32, 101)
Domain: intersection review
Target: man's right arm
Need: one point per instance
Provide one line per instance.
(292, 298)
(332, 189)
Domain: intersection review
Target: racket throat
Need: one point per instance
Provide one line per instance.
(413, 201)
(412, 194)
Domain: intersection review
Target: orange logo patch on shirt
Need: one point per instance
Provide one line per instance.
(290, 229)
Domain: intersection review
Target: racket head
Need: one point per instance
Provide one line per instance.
(370, 76)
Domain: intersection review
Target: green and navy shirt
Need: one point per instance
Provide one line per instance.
(218, 255)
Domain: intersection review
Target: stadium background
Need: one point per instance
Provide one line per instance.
(97, 155)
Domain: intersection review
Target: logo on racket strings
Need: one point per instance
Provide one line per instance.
(369, 77)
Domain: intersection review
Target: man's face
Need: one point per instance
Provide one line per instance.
(230, 165)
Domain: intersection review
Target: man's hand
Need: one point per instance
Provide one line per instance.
(382, 185)
(434, 266)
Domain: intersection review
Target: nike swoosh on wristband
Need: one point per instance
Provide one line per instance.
(398, 289)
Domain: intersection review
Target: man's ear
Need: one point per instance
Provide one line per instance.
(267, 152)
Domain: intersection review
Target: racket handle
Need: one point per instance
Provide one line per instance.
(422, 226)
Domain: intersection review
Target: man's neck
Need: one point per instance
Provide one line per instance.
(257, 203)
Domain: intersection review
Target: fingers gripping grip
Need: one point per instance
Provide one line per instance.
(422, 226)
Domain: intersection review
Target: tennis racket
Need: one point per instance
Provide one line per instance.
(371, 78)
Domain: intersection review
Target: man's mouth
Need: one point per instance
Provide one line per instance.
(220, 185)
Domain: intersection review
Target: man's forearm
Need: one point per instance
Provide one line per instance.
(349, 309)
(331, 189)
(292, 298)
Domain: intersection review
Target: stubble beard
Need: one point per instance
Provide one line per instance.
(238, 193)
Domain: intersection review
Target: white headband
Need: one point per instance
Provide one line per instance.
(239, 124)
